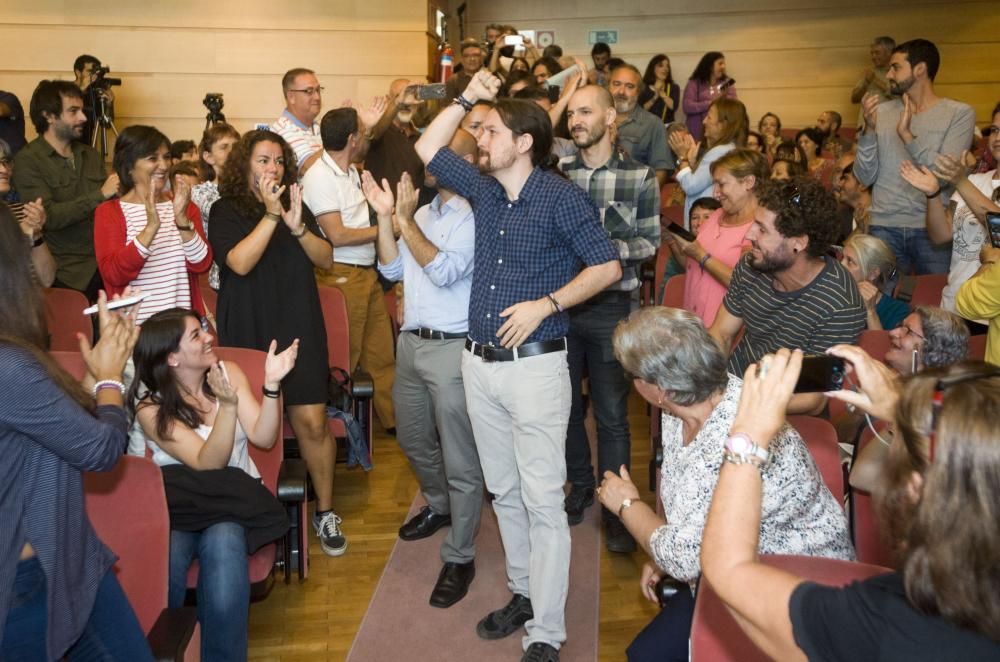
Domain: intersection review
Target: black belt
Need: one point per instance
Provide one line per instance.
(356, 266)
(489, 353)
(431, 334)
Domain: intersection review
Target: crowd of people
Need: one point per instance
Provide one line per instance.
(519, 213)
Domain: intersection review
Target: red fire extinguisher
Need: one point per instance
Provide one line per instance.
(446, 63)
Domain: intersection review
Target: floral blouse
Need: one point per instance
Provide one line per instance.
(798, 513)
(204, 195)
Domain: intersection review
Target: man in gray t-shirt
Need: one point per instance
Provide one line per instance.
(917, 127)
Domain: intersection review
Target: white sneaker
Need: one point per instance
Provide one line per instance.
(331, 539)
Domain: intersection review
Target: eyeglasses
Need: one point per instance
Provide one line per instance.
(937, 402)
(309, 91)
(6, 162)
(909, 331)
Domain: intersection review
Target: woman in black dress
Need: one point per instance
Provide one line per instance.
(266, 244)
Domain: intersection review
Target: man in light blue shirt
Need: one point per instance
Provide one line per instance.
(434, 258)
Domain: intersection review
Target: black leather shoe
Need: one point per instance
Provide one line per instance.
(577, 501)
(423, 524)
(507, 620)
(617, 538)
(452, 584)
(540, 652)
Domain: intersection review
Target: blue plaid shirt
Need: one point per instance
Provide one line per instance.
(525, 248)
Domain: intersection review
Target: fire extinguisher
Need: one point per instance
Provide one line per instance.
(446, 63)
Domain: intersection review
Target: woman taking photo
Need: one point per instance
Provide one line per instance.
(677, 366)
(267, 244)
(660, 96)
(708, 83)
(196, 411)
(149, 238)
(938, 508)
(725, 130)
(216, 143)
(58, 593)
(709, 260)
(872, 265)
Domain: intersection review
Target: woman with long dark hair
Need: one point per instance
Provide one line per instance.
(660, 96)
(58, 593)
(267, 244)
(150, 238)
(708, 82)
(198, 412)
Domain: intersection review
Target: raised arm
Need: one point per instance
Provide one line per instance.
(483, 87)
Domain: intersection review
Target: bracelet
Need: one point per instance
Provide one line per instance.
(185, 227)
(702, 261)
(272, 216)
(268, 393)
(463, 102)
(626, 503)
(109, 383)
(752, 460)
(935, 193)
(301, 232)
(38, 242)
(555, 303)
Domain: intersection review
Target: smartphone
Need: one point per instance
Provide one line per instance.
(432, 91)
(993, 226)
(124, 302)
(681, 232)
(256, 184)
(513, 40)
(820, 374)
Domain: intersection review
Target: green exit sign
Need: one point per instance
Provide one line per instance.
(606, 36)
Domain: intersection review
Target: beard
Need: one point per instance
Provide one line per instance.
(490, 162)
(623, 106)
(68, 132)
(899, 87)
(771, 264)
(589, 137)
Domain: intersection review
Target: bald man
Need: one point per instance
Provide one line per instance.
(434, 258)
(627, 195)
(391, 152)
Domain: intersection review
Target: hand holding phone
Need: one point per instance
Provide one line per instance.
(993, 227)
(681, 232)
(123, 302)
(820, 374)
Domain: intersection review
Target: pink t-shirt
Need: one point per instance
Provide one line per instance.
(702, 293)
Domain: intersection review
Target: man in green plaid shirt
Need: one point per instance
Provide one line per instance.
(628, 197)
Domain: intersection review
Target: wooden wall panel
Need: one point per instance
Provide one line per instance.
(170, 54)
(796, 57)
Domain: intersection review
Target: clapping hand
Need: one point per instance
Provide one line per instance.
(182, 196)
(107, 358)
(878, 385)
(919, 177)
(949, 169)
(270, 193)
(869, 106)
(277, 366)
(905, 117)
(34, 218)
(767, 390)
(379, 197)
(293, 216)
(218, 380)
(406, 199)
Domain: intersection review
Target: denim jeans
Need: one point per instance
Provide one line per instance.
(112, 632)
(590, 329)
(665, 638)
(223, 586)
(914, 250)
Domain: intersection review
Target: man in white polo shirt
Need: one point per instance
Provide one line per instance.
(332, 191)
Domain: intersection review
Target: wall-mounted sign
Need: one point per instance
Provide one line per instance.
(606, 36)
(545, 38)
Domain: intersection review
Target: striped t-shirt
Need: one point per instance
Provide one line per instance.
(826, 312)
(304, 141)
(164, 276)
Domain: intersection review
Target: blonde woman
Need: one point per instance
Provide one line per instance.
(872, 265)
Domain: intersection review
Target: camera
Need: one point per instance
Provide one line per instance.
(100, 80)
(213, 101)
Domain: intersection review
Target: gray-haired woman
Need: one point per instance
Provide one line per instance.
(675, 365)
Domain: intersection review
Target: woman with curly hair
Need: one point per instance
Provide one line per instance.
(267, 243)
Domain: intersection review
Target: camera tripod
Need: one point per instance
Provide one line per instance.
(214, 117)
(102, 122)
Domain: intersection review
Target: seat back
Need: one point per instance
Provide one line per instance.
(71, 362)
(128, 509)
(338, 342)
(715, 635)
(977, 347)
(821, 440)
(269, 460)
(876, 342)
(673, 293)
(65, 318)
(927, 290)
(865, 528)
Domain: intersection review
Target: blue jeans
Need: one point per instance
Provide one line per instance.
(590, 329)
(223, 586)
(665, 638)
(915, 252)
(112, 631)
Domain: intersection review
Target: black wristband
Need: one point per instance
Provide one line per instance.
(463, 102)
(38, 242)
(935, 193)
(269, 393)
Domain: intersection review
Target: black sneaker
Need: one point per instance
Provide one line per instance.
(577, 501)
(539, 652)
(617, 538)
(506, 620)
(331, 538)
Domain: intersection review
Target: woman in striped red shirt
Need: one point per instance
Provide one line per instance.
(148, 238)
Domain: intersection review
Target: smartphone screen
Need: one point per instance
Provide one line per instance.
(681, 232)
(993, 226)
(820, 374)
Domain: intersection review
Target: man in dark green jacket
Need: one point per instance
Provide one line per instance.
(70, 179)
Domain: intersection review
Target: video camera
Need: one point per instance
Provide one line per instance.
(101, 80)
(213, 101)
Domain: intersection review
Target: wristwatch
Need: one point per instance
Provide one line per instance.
(626, 503)
(741, 449)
